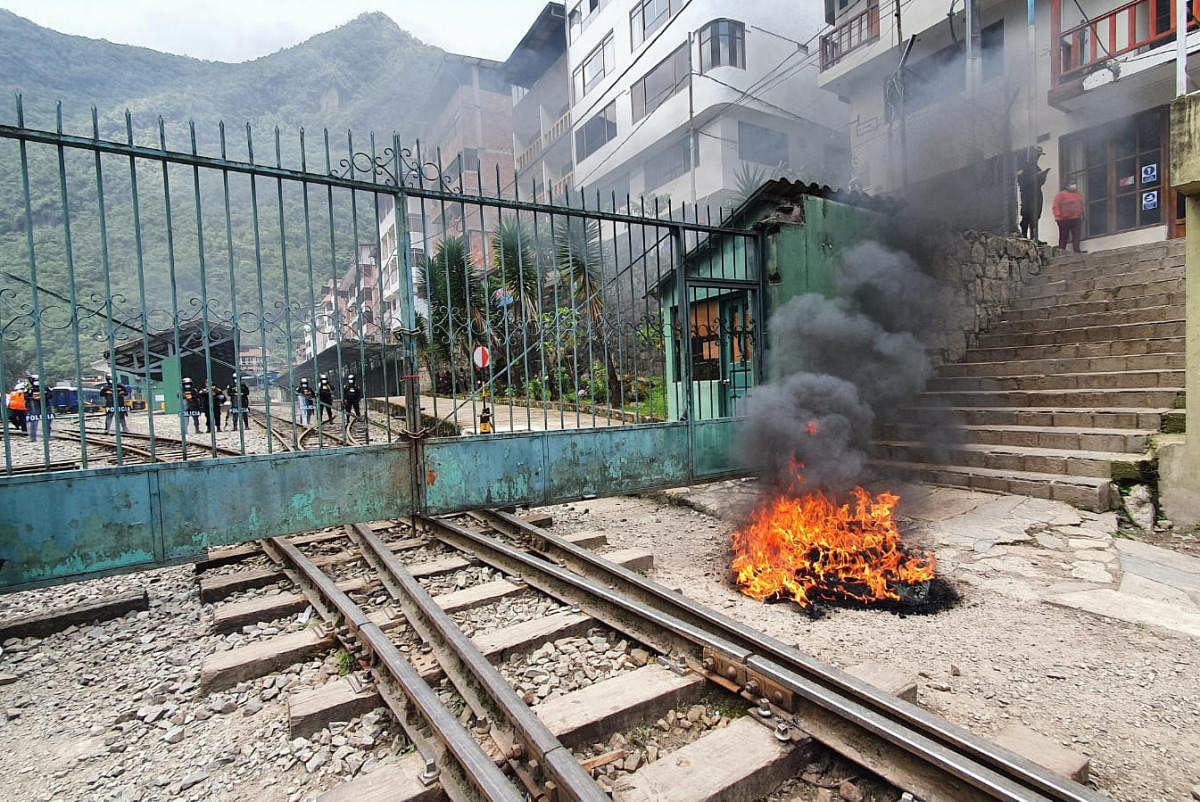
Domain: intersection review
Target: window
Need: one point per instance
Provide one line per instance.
(667, 78)
(596, 132)
(580, 15)
(647, 17)
(762, 145)
(593, 69)
(669, 164)
(1120, 172)
(722, 44)
(705, 335)
(992, 47)
(933, 78)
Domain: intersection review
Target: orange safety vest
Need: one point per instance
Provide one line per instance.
(16, 401)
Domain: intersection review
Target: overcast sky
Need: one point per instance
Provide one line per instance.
(237, 30)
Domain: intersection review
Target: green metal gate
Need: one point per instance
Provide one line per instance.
(455, 298)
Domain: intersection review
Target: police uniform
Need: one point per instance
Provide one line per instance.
(325, 396)
(114, 404)
(308, 400)
(191, 404)
(217, 393)
(351, 395)
(37, 410)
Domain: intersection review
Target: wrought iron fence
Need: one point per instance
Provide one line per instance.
(210, 284)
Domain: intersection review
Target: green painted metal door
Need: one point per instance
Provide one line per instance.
(737, 351)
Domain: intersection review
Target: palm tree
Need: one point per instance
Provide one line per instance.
(577, 252)
(457, 295)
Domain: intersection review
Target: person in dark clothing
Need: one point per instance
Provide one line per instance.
(190, 398)
(37, 408)
(325, 396)
(308, 402)
(217, 394)
(113, 399)
(239, 406)
(351, 395)
(1030, 181)
(16, 407)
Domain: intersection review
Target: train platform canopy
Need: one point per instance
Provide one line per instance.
(192, 353)
(375, 364)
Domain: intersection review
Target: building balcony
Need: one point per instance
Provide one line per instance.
(544, 141)
(858, 31)
(1131, 38)
(561, 187)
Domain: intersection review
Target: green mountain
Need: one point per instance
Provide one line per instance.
(367, 75)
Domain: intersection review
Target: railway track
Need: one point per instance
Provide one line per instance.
(135, 446)
(384, 597)
(311, 436)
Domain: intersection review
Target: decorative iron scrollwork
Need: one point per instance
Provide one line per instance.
(413, 173)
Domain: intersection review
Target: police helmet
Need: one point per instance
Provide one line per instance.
(304, 381)
(350, 378)
(187, 381)
(33, 377)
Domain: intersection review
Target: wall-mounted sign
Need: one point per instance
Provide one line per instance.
(1149, 200)
(1150, 173)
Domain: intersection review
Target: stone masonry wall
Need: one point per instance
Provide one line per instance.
(979, 275)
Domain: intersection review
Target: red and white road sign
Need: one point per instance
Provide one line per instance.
(482, 357)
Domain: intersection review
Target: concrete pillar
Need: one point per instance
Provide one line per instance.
(1179, 463)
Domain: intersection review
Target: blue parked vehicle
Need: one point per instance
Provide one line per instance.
(66, 399)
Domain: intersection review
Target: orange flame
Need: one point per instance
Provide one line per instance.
(808, 548)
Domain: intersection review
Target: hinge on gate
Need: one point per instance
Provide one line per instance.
(748, 681)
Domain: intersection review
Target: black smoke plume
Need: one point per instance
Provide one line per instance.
(836, 366)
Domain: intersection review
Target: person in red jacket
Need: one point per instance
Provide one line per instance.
(1068, 213)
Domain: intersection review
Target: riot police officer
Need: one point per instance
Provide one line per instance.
(351, 395)
(325, 396)
(190, 397)
(217, 394)
(308, 400)
(114, 403)
(37, 408)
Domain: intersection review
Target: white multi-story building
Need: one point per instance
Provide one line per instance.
(1089, 82)
(696, 100)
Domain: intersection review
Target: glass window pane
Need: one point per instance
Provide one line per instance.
(1127, 175)
(1096, 149)
(1125, 139)
(1097, 219)
(1096, 186)
(1150, 168)
(1151, 216)
(1150, 130)
(1127, 211)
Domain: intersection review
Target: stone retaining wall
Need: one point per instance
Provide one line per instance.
(980, 273)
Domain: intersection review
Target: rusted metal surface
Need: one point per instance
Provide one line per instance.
(515, 729)
(948, 753)
(465, 771)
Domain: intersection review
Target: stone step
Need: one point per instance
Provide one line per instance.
(1136, 397)
(1054, 366)
(1091, 280)
(1088, 307)
(1152, 345)
(1114, 380)
(612, 705)
(703, 771)
(1023, 459)
(1079, 438)
(1107, 317)
(1052, 295)
(1135, 418)
(1095, 494)
(337, 700)
(233, 615)
(1085, 334)
(1068, 272)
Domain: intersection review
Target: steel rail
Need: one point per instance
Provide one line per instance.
(649, 592)
(25, 135)
(466, 771)
(605, 596)
(514, 727)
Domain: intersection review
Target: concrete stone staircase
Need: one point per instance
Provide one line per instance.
(1063, 394)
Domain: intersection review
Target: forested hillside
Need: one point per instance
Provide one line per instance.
(368, 75)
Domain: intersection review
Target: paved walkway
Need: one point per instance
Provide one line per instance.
(1025, 548)
(516, 418)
